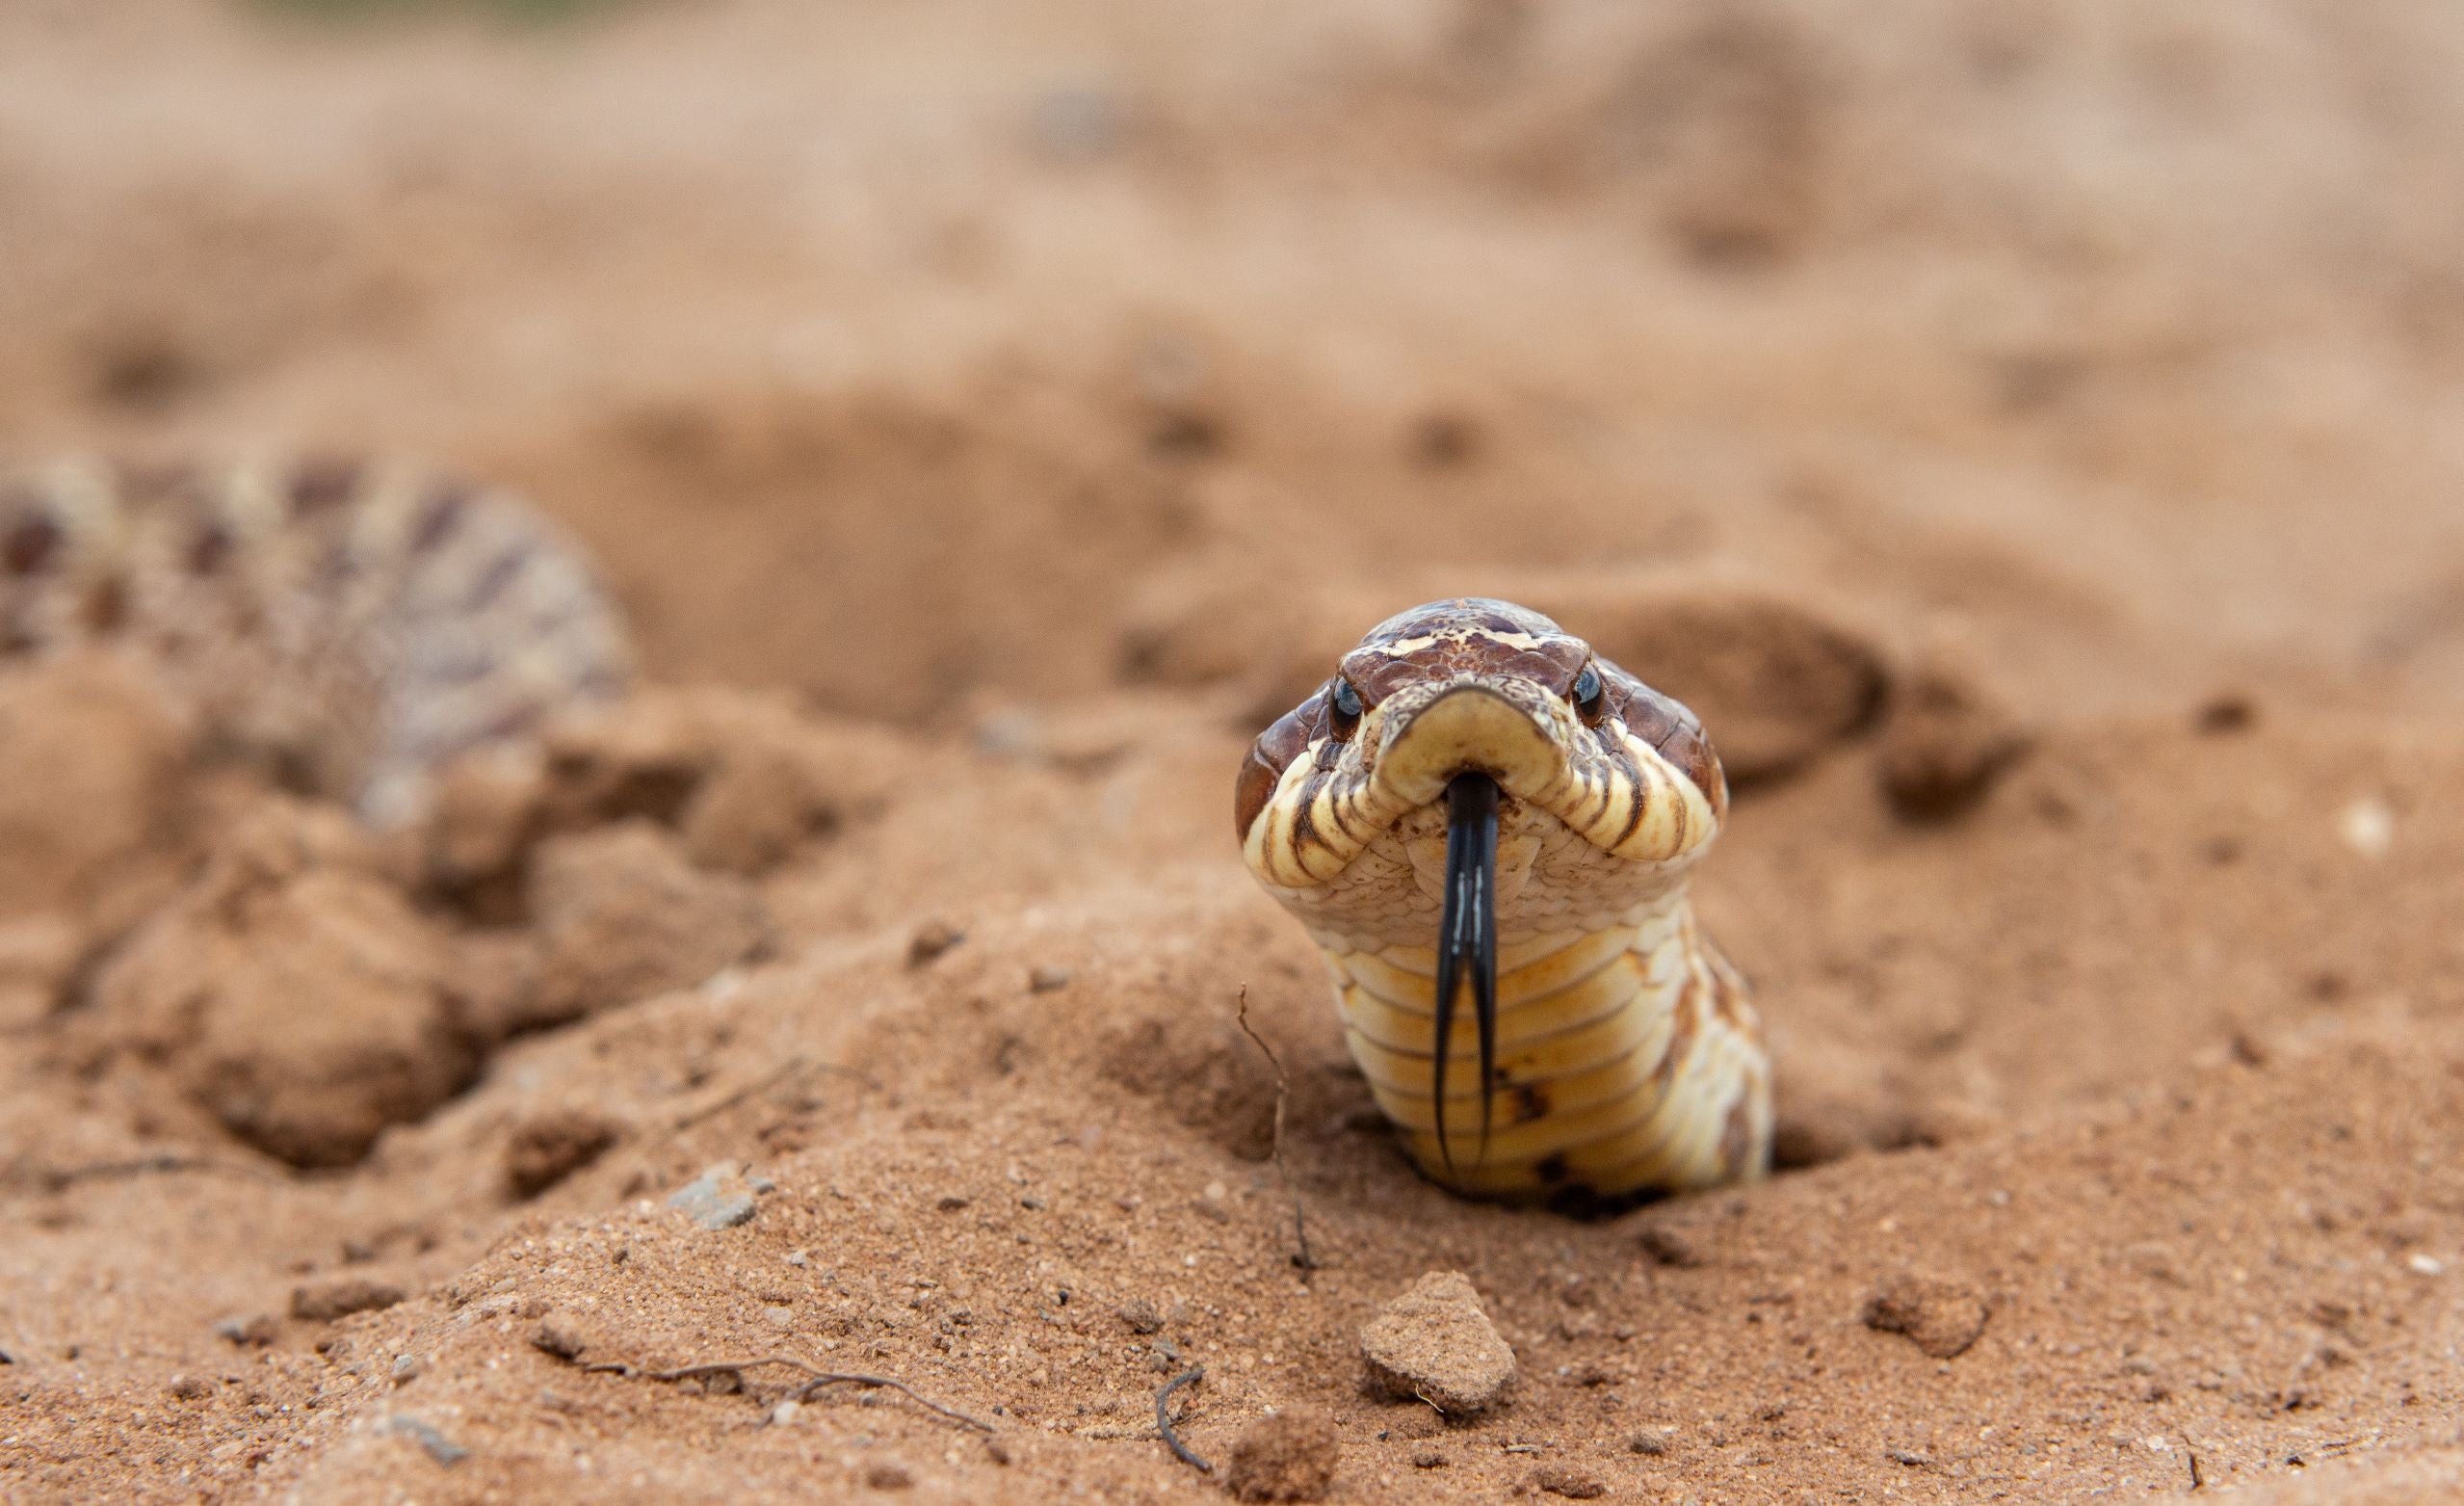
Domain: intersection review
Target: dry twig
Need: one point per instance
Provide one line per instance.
(1163, 1419)
(815, 1378)
(1282, 1171)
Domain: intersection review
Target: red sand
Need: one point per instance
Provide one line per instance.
(989, 414)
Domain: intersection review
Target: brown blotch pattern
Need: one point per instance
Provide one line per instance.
(30, 544)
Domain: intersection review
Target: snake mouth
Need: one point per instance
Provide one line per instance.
(1467, 940)
(1480, 728)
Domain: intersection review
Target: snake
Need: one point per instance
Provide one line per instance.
(1476, 806)
(356, 623)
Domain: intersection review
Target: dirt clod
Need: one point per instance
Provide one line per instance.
(1940, 1318)
(331, 1300)
(564, 1335)
(1947, 737)
(1776, 682)
(930, 941)
(1573, 1484)
(1435, 1343)
(256, 1331)
(1285, 1456)
(1672, 1246)
(92, 758)
(622, 916)
(295, 994)
(547, 1149)
(754, 808)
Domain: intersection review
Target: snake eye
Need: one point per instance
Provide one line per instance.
(1344, 703)
(1590, 697)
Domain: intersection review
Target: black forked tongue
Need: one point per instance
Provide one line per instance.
(1467, 936)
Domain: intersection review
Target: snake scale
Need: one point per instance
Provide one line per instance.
(1476, 804)
(360, 623)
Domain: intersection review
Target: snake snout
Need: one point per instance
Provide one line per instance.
(1504, 729)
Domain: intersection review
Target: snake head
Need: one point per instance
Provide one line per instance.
(1472, 769)
(1483, 687)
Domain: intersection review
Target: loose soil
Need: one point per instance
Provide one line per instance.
(2026, 431)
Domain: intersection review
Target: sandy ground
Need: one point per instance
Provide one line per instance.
(988, 413)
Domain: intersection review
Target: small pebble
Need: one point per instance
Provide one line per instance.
(407, 1368)
(1651, 1441)
(785, 1412)
(331, 1299)
(442, 1449)
(717, 1199)
(258, 1331)
(931, 939)
(1044, 980)
(561, 1337)
(1572, 1484)
(887, 1476)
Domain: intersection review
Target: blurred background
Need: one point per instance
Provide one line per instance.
(913, 352)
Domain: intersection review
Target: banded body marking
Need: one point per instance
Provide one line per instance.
(362, 622)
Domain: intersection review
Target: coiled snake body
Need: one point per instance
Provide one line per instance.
(363, 623)
(1476, 797)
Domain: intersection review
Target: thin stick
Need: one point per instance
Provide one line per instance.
(1163, 1420)
(815, 1379)
(1282, 1171)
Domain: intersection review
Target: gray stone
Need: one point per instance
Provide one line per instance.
(719, 1198)
(439, 1447)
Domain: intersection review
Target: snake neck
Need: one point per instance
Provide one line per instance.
(1628, 1060)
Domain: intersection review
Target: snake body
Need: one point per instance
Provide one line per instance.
(1622, 1054)
(363, 624)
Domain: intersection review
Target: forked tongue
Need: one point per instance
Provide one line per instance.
(1467, 936)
